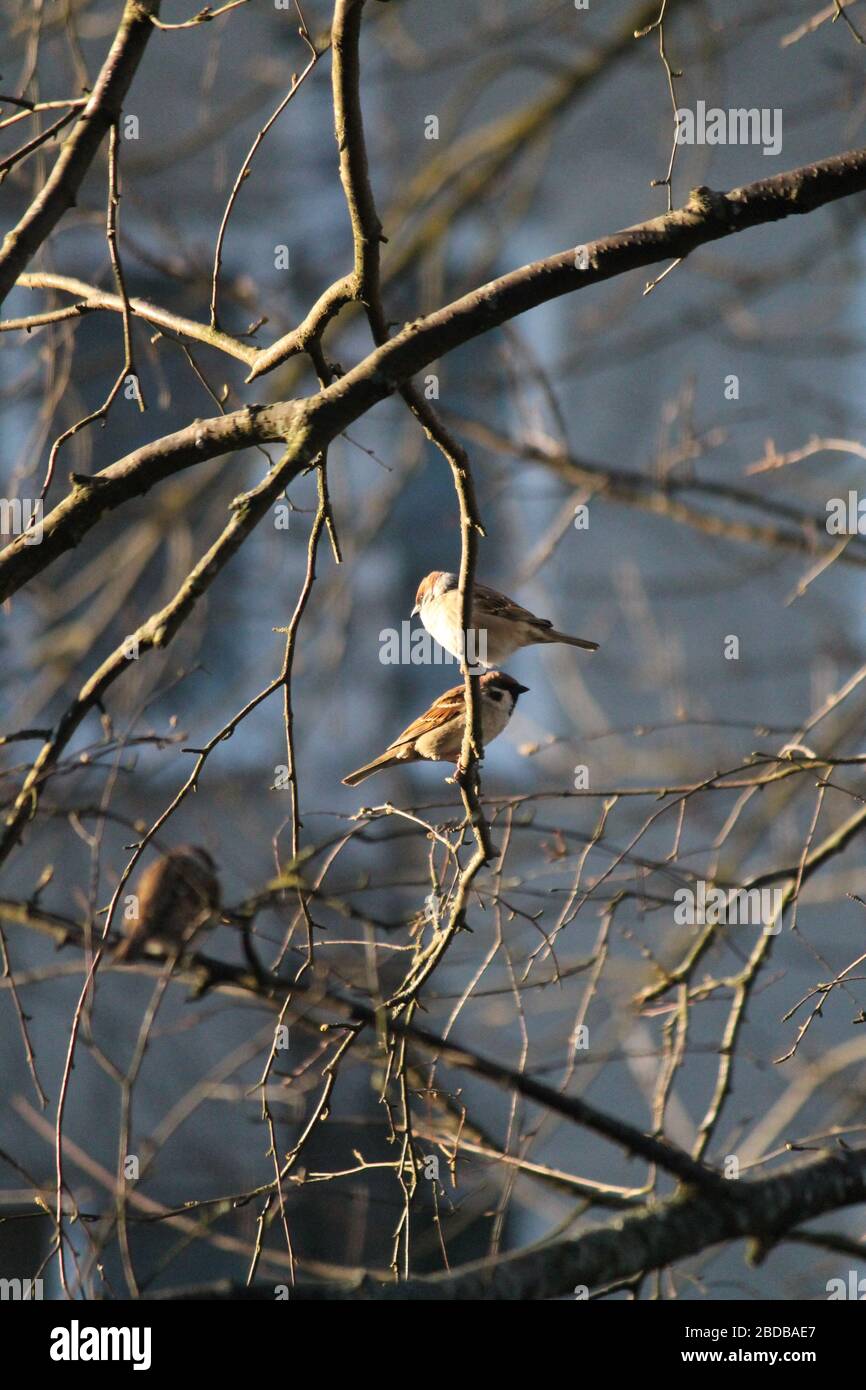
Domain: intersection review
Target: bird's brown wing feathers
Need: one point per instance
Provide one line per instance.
(448, 706)
(499, 606)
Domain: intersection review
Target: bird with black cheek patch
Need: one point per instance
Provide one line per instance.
(499, 626)
(437, 736)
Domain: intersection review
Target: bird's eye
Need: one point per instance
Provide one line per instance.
(496, 695)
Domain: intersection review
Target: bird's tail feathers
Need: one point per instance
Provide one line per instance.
(553, 636)
(362, 773)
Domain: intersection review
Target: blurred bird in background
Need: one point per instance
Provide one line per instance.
(175, 898)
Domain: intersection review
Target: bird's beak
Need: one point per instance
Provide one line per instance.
(521, 689)
(416, 610)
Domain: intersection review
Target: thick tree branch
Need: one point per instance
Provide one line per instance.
(102, 110)
(705, 218)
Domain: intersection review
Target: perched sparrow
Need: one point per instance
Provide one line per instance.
(177, 896)
(438, 735)
(499, 625)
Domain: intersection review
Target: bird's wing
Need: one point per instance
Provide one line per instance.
(501, 606)
(449, 706)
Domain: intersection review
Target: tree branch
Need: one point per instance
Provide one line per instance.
(706, 217)
(102, 110)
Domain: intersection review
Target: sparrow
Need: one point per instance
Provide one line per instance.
(437, 735)
(499, 625)
(175, 896)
